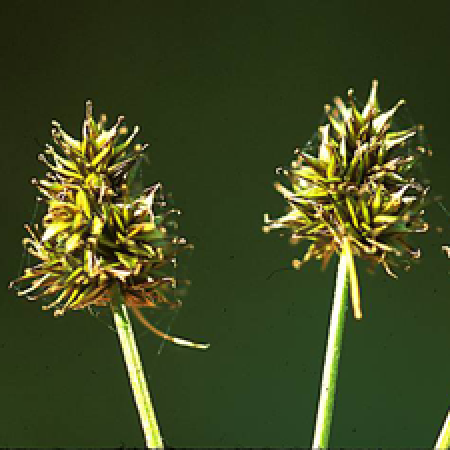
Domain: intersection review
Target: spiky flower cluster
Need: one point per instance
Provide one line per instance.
(94, 234)
(356, 195)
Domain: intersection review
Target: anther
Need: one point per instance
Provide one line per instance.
(88, 109)
(338, 101)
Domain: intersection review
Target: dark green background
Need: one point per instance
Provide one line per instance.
(224, 92)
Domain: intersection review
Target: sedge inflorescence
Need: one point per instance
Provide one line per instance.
(94, 233)
(354, 193)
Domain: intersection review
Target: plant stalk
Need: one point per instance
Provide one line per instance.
(443, 441)
(333, 351)
(136, 375)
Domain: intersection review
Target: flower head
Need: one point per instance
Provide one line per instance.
(356, 195)
(94, 233)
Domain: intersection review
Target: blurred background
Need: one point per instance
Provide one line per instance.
(224, 92)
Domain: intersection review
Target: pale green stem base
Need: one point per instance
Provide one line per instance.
(330, 369)
(136, 375)
(443, 441)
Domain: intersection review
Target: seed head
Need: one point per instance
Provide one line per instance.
(94, 233)
(354, 193)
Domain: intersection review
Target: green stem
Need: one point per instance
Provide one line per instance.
(330, 369)
(136, 375)
(443, 441)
